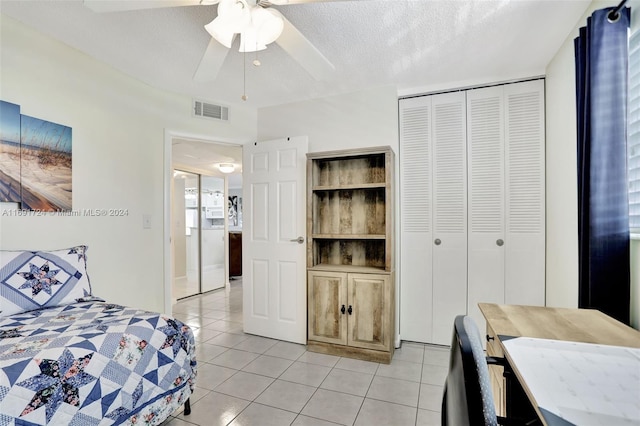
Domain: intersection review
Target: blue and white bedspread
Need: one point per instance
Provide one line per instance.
(93, 363)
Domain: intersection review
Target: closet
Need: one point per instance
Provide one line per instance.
(472, 205)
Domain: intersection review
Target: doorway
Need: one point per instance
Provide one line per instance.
(201, 221)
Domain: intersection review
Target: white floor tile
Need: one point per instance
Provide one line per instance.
(333, 406)
(286, 395)
(234, 358)
(357, 365)
(215, 409)
(401, 370)
(320, 359)
(257, 414)
(209, 375)
(270, 366)
(394, 390)
(286, 350)
(410, 352)
(247, 380)
(311, 421)
(256, 344)
(244, 385)
(382, 413)
(430, 397)
(434, 374)
(306, 374)
(346, 381)
(428, 418)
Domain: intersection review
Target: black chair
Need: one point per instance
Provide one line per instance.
(467, 399)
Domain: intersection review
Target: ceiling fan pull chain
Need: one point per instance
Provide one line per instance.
(256, 61)
(244, 76)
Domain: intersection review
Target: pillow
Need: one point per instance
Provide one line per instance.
(39, 279)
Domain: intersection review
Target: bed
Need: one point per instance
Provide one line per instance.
(68, 357)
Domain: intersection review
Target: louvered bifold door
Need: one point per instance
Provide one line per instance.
(485, 111)
(525, 195)
(449, 239)
(415, 224)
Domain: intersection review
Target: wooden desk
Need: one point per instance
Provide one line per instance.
(573, 325)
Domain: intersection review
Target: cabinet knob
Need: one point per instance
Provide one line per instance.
(500, 242)
(350, 310)
(437, 242)
(343, 309)
(490, 338)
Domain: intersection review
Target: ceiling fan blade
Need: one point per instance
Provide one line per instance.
(305, 53)
(126, 5)
(285, 2)
(211, 61)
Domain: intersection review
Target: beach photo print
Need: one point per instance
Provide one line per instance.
(35, 161)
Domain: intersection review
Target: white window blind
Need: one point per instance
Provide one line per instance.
(633, 140)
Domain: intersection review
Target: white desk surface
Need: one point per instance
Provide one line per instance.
(579, 383)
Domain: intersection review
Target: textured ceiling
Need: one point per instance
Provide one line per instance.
(416, 45)
(412, 44)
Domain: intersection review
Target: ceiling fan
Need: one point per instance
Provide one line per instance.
(257, 23)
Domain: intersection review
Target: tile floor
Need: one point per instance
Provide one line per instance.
(246, 380)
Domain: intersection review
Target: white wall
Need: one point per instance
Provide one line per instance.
(118, 147)
(562, 186)
(362, 119)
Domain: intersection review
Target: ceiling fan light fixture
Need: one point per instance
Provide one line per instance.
(266, 26)
(226, 167)
(235, 14)
(222, 32)
(269, 24)
(258, 26)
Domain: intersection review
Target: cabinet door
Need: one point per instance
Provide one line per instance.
(416, 236)
(370, 301)
(327, 295)
(486, 198)
(525, 194)
(449, 213)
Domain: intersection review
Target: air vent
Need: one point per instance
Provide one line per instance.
(207, 110)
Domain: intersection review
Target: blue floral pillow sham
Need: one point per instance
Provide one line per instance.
(38, 279)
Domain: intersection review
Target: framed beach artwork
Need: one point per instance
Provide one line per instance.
(39, 165)
(9, 152)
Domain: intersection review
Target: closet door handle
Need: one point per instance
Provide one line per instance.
(342, 309)
(350, 310)
(437, 241)
(500, 242)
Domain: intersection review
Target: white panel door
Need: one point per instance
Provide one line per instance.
(416, 242)
(449, 239)
(485, 112)
(274, 261)
(525, 194)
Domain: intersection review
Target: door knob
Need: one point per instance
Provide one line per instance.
(437, 242)
(298, 240)
(500, 242)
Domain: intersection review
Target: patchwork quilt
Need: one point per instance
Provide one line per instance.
(93, 363)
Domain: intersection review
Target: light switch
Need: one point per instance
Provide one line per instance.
(146, 221)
